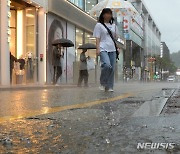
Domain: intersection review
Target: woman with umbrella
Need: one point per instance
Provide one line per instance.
(56, 62)
(105, 33)
(83, 70)
(58, 55)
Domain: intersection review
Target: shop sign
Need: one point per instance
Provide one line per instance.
(151, 59)
(9, 16)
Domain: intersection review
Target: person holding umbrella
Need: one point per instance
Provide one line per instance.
(105, 33)
(83, 71)
(56, 62)
(58, 55)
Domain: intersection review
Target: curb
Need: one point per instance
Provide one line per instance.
(155, 106)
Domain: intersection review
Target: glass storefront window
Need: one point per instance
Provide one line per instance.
(23, 44)
(30, 16)
(89, 4)
(30, 46)
(13, 32)
(86, 5)
(81, 38)
(30, 31)
(79, 41)
(90, 39)
(119, 23)
(79, 3)
(30, 41)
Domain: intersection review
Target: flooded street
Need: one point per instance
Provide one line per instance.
(88, 120)
(89, 77)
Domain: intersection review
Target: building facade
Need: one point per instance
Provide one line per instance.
(30, 26)
(151, 41)
(23, 33)
(76, 25)
(28, 30)
(165, 52)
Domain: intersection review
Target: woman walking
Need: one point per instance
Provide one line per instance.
(105, 33)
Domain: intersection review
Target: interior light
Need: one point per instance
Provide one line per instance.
(19, 33)
(30, 15)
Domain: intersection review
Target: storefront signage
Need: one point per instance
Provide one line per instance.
(151, 59)
(9, 16)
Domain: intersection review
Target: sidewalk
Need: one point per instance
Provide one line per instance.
(35, 86)
(68, 85)
(49, 86)
(102, 128)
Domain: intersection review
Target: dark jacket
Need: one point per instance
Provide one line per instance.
(83, 61)
(12, 60)
(57, 56)
(22, 63)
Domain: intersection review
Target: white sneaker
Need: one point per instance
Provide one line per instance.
(102, 88)
(111, 90)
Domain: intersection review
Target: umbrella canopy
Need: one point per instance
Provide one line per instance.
(119, 7)
(63, 42)
(87, 46)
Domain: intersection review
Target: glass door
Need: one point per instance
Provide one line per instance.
(13, 32)
(30, 45)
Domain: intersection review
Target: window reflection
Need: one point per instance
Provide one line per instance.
(89, 4)
(90, 39)
(79, 3)
(13, 32)
(79, 41)
(86, 5)
(30, 30)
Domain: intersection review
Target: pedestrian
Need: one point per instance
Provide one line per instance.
(83, 71)
(56, 62)
(12, 60)
(105, 33)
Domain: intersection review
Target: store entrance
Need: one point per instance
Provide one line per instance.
(23, 50)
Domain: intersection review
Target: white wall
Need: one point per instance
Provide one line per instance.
(42, 46)
(5, 58)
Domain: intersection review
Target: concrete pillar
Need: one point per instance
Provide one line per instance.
(42, 46)
(4, 41)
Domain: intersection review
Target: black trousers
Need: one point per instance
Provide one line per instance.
(83, 75)
(11, 70)
(57, 73)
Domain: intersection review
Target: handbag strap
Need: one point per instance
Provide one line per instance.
(111, 35)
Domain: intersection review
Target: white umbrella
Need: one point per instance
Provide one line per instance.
(119, 7)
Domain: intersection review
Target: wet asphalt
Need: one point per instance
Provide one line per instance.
(35, 121)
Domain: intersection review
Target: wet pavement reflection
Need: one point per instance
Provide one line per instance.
(19, 103)
(101, 128)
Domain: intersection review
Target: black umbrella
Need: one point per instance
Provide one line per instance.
(63, 42)
(87, 46)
